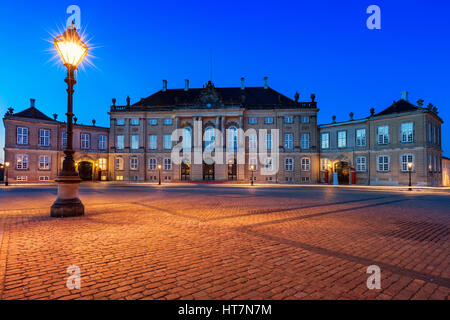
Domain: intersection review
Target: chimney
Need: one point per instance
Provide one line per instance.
(266, 86)
(93, 122)
(186, 84)
(405, 95)
(113, 101)
(32, 102)
(164, 88)
(372, 111)
(351, 115)
(55, 116)
(334, 118)
(128, 101)
(242, 83)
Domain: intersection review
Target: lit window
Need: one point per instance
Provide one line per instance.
(383, 135)
(405, 159)
(305, 140)
(85, 141)
(44, 178)
(133, 163)
(324, 162)
(383, 163)
(44, 137)
(360, 137)
(120, 142)
(44, 162)
(407, 132)
(342, 139)
(306, 164)
(134, 142)
(22, 161)
(102, 164)
(325, 140)
(152, 142)
(119, 178)
(119, 164)
(288, 140)
(22, 135)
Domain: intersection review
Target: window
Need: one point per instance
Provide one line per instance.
(434, 134)
(253, 162)
(407, 132)
(22, 135)
(232, 139)
(167, 142)
(22, 161)
(119, 143)
(289, 164)
(305, 140)
(306, 164)
(153, 122)
(152, 164)
(187, 139)
(305, 119)
(167, 164)
(120, 122)
(342, 139)
(305, 179)
(289, 119)
(64, 139)
(209, 139)
(383, 163)
(361, 164)
(252, 120)
(85, 141)
(102, 142)
(44, 163)
(269, 164)
(360, 137)
(133, 163)
(134, 122)
(253, 143)
(325, 140)
(429, 131)
(269, 141)
(44, 178)
(288, 140)
(324, 162)
(134, 142)
(44, 137)
(168, 122)
(383, 135)
(119, 178)
(119, 164)
(102, 164)
(268, 120)
(405, 159)
(430, 163)
(152, 142)
(435, 163)
(22, 178)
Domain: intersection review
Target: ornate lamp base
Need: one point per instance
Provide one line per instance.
(67, 204)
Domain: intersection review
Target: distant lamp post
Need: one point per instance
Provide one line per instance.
(159, 172)
(252, 169)
(72, 51)
(410, 166)
(6, 173)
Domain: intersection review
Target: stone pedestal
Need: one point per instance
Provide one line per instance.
(68, 203)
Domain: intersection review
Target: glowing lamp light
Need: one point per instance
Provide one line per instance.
(7, 164)
(159, 166)
(70, 47)
(410, 165)
(252, 167)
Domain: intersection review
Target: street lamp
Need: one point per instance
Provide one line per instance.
(159, 171)
(6, 173)
(252, 169)
(410, 165)
(72, 51)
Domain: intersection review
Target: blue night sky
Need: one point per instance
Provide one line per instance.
(321, 47)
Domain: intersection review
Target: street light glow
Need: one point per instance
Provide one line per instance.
(70, 47)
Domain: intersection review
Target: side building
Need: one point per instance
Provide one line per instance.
(376, 150)
(34, 145)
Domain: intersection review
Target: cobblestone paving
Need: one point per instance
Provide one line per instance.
(216, 242)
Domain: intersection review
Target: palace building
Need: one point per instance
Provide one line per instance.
(138, 144)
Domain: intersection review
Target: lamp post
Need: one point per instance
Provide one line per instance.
(72, 51)
(6, 173)
(410, 165)
(159, 172)
(252, 169)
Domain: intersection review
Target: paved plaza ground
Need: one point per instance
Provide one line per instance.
(187, 241)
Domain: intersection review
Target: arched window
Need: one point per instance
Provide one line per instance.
(209, 139)
(187, 139)
(232, 139)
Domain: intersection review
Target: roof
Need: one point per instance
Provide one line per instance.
(399, 106)
(33, 113)
(216, 98)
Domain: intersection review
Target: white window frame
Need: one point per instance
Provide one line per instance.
(22, 135)
(268, 120)
(384, 166)
(102, 142)
(342, 141)
(153, 142)
(361, 164)
(153, 122)
(305, 140)
(135, 142)
(22, 162)
(289, 119)
(407, 133)
(403, 164)
(85, 140)
(102, 164)
(44, 178)
(327, 140)
(44, 137)
(134, 121)
(289, 141)
(120, 122)
(252, 120)
(306, 164)
(383, 137)
(168, 122)
(119, 163)
(361, 137)
(44, 162)
(167, 142)
(152, 163)
(268, 140)
(120, 142)
(167, 164)
(305, 119)
(289, 164)
(134, 163)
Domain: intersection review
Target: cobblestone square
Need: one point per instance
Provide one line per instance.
(187, 241)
